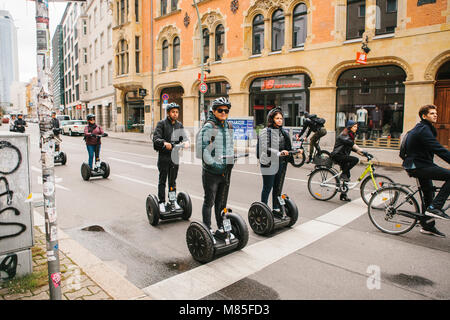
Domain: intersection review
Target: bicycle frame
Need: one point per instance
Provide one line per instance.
(352, 185)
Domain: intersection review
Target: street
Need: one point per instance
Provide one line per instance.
(332, 252)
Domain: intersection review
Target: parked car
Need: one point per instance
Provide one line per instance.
(62, 117)
(73, 127)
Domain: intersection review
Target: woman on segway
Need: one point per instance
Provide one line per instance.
(272, 150)
(91, 136)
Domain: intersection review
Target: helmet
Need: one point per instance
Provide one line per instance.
(222, 101)
(350, 123)
(171, 106)
(90, 116)
(53, 112)
(19, 115)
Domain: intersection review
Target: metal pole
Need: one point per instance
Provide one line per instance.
(200, 33)
(47, 144)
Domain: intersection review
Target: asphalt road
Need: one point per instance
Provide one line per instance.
(333, 251)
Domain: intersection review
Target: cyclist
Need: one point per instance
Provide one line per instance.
(421, 146)
(215, 141)
(92, 141)
(20, 124)
(344, 145)
(56, 130)
(273, 142)
(314, 124)
(166, 132)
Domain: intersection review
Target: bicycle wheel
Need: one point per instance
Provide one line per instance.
(368, 187)
(299, 159)
(322, 185)
(393, 210)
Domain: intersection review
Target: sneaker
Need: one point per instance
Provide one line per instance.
(432, 231)
(436, 213)
(344, 197)
(162, 207)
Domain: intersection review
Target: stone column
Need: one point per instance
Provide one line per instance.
(417, 94)
(322, 101)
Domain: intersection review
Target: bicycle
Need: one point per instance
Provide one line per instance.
(319, 156)
(394, 209)
(325, 182)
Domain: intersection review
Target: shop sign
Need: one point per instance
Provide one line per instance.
(281, 84)
(361, 58)
(242, 128)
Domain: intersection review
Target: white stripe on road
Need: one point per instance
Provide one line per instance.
(147, 166)
(56, 179)
(218, 274)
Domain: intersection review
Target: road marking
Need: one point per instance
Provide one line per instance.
(39, 179)
(146, 166)
(218, 274)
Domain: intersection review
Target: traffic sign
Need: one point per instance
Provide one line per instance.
(203, 87)
(165, 96)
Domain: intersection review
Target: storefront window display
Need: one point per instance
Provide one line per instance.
(289, 92)
(374, 98)
(134, 113)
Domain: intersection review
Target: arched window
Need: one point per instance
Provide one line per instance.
(299, 27)
(205, 45)
(220, 42)
(258, 34)
(122, 57)
(176, 52)
(277, 30)
(165, 54)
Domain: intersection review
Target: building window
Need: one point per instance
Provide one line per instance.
(299, 25)
(122, 10)
(95, 48)
(102, 40)
(84, 27)
(258, 34)
(137, 54)
(90, 82)
(165, 54)
(76, 72)
(136, 9)
(386, 20)
(110, 73)
(95, 16)
(77, 92)
(174, 5)
(85, 56)
(122, 57)
(277, 30)
(163, 7)
(96, 79)
(86, 85)
(220, 42)
(356, 18)
(76, 51)
(176, 52)
(102, 77)
(109, 35)
(205, 45)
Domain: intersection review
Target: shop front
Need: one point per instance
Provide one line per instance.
(134, 113)
(374, 98)
(289, 92)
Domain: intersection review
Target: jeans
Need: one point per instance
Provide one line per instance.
(274, 182)
(215, 187)
(92, 152)
(345, 162)
(168, 171)
(316, 137)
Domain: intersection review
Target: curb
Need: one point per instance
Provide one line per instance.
(103, 275)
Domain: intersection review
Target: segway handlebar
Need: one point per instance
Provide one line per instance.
(99, 135)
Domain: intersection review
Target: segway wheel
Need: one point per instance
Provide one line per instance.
(291, 212)
(63, 158)
(152, 210)
(105, 168)
(85, 171)
(199, 243)
(185, 203)
(260, 218)
(239, 229)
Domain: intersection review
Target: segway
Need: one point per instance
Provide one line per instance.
(101, 168)
(204, 244)
(264, 220)
(60, 156)
(178, 206)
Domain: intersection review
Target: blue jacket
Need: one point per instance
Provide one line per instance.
(421, 147)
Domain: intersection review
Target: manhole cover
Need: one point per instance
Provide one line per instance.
(94, 229)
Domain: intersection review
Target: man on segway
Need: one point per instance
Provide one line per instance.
(313, 124)
(217, 151)
(93, 141)
(168, 132)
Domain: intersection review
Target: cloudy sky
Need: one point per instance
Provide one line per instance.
(23, 13)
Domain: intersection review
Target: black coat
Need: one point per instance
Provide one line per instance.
(164, 133)
(344, 144)
(421, 147)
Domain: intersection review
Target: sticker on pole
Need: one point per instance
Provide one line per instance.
(203, 87)
(56, 279)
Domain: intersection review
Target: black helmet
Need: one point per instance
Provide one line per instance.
(90, 116)
(222, 101)
(171, 106)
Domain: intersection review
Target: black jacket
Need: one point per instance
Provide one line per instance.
(421, 147)
(264, 147)
(164, 132)
(55, 123)
(344, 144)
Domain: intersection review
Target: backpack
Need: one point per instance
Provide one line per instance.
(403, 144)
(198, 147)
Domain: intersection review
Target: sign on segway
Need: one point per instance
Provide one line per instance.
(203, 87)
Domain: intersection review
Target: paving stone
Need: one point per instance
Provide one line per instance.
(42, 296)
(18, 296)
(78, 294)
(98, 296)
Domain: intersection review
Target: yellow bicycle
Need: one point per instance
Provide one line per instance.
(325, 182)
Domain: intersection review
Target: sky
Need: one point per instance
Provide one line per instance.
(23, 13)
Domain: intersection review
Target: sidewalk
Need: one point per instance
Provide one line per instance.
(83, 276)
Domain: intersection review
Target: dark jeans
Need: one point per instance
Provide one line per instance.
(345, 162)
(275, 182)
(316, 137)
(216, 192)
(426, 177)
(92, 152)
(168, 172)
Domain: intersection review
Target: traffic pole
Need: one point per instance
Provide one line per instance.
(47, 146)
(202, 95)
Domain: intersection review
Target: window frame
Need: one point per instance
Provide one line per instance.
(281, 33)
(219, 36)
(257, 24)
(176, 56)
(302, 15)
(165, 55)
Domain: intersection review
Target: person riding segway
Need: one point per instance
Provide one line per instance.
(169, 137)
(20, 124)
(214, 145)
(92, 136)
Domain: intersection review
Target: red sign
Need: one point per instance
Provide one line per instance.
(272, 85)
(361, 58)
(200, 77)
(78, 106)
(203, 87)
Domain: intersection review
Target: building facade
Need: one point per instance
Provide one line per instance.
(57, 69)
(9, 62)
(299, 55)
